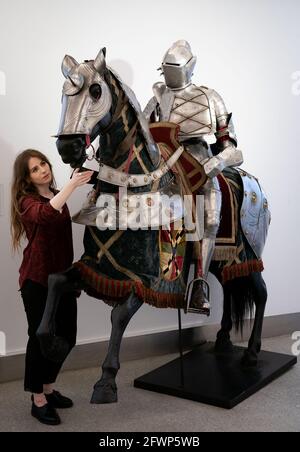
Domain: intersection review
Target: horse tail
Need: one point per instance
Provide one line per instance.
(242, 300)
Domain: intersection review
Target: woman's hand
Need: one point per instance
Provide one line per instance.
(76, 180)
(80, 178)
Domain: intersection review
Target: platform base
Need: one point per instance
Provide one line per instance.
(215, 379)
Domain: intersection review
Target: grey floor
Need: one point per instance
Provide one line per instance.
(275, 408)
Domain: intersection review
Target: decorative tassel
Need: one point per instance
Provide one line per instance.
(239, 270)
(115, 291)
(159, 300)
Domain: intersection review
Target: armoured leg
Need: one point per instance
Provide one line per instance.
(105, 390)
(212, 206)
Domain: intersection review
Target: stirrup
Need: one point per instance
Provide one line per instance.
(204, 308)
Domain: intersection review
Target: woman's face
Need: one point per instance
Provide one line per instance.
(39, 172)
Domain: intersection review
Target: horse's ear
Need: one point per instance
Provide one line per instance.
(68, 63)
(99, 62)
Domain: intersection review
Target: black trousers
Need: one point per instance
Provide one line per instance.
(38, 369)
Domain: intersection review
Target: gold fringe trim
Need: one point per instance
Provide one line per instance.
(112, 290)
(115, 291)
(240, 270)
(159, 300)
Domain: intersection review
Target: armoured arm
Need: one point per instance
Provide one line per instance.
(158, 108)
(151, 110)
(226, 153)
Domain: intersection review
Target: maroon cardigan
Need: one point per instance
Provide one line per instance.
(49, 235)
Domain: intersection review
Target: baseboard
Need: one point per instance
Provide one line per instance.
(137, 347)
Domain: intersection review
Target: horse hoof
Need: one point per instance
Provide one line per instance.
(54, 348)
(223, 346)
(249, 360)
(105, 392)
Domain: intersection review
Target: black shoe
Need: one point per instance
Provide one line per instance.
(199, 302)
(56, 400)
(45, 414)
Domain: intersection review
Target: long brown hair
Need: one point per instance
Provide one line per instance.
(22, 186)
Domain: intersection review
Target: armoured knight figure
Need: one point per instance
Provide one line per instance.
(199, 111)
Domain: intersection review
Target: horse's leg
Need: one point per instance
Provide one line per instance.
(54, 347)
(223, 342)
(105, 390)
(260, 299)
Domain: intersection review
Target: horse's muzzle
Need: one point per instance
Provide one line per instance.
(71, 148)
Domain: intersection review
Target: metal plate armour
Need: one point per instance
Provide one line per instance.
(255, 214)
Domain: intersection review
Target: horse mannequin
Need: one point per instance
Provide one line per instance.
(125, 264)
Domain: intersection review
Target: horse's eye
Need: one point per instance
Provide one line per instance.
(95, 91)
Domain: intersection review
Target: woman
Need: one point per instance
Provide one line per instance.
(39, 213)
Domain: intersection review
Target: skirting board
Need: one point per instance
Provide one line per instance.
(138, 347)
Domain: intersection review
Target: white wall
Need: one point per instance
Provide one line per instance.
(247, 50)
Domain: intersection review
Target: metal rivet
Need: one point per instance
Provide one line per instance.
(254, 197)
(149, 202)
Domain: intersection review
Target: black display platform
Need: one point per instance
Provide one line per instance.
(215, 379)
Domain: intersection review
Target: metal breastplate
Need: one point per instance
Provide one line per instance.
(190, 108)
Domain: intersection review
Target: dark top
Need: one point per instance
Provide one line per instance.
(49, 233)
